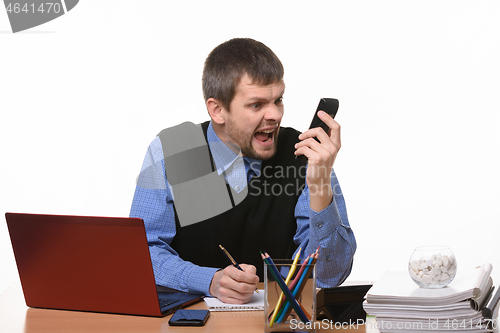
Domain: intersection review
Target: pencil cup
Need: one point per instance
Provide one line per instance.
(281, 315)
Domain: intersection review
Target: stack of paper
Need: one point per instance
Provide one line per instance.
(399, 305)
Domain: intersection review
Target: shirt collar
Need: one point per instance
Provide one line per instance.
(224, 157)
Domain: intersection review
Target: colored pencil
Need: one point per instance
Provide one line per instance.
(287, 281)
(292, 285)
(279, 279)
(299, 286)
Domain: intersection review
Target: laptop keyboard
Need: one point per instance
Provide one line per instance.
(167, 301)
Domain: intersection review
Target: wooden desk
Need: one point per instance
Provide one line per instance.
(16, 317)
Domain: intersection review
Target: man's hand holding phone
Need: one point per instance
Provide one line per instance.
(321, 148)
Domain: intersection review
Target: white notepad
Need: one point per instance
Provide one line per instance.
(256, 304)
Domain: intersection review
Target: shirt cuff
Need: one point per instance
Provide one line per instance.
(200, 278)
(324, 223)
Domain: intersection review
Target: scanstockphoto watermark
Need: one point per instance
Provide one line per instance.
(382, 325)
(292, 171)
(325, 324)
(261, 185)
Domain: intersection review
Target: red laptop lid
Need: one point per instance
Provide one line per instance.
(98, 264)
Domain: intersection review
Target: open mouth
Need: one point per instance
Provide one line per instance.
(265, 136)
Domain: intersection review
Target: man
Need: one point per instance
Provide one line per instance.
(284, 206)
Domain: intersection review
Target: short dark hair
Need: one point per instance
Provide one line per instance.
(228, 62)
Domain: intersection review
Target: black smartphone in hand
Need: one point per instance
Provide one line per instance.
(183, 317)
(330, 106)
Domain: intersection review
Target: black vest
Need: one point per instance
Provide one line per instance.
(264, 220)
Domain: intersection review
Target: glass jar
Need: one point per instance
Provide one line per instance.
(432, 266)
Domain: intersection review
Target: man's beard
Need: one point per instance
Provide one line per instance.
(246, 147)
(252, 153)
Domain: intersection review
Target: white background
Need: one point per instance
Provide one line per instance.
(82, 96)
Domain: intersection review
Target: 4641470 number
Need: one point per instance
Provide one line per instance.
(44, 7)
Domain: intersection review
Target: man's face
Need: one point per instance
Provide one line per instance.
(253, 120)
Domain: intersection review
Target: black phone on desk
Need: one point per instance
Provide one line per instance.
(183, 317)
(330, 106)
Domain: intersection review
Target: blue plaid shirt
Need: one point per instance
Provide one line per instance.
(153, 202)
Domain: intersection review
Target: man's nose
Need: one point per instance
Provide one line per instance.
(273, 113)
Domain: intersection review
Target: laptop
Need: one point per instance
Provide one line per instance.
(86, 263)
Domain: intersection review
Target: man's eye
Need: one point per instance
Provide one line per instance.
(279, 100)
(255, 105)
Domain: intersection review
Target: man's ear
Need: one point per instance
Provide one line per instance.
(215, 110)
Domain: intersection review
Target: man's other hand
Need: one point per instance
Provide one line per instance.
(231, 285)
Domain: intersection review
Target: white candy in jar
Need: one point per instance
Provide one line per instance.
(433, 270)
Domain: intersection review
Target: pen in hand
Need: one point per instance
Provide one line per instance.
(235, 264)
